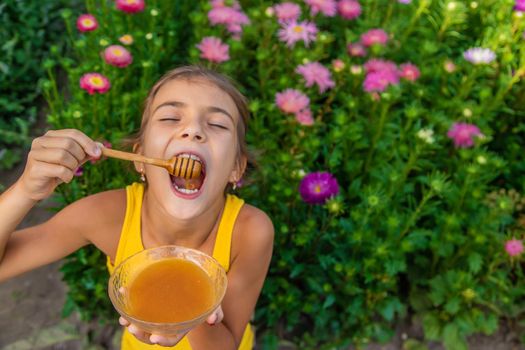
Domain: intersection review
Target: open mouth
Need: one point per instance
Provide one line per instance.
(189, 186)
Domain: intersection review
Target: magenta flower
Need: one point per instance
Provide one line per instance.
(130, 6)
(375, 65)
(356, 50)
(463, 133)
(117, 56)
(519, 6)
(87, 23)
(292, 32)
(316, 73)
(409, 72)
(316, 188)
(94, 82)
(380, 80)
(291, 101)
(304, 117)
(374, 36)
(213, 49)
(232, 18)
(327, 7)
(287, 12)
(514, 247)
(349, 9)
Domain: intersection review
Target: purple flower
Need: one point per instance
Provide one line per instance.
(316, 73)
(291, 32)
(463, 133)
(479, 55)
(514, 247)
(520, 6)
(316, 188)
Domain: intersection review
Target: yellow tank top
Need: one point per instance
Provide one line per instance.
(131, 242)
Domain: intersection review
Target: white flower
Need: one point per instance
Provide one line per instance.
(426, 135)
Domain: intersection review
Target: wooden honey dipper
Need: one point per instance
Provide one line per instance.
(186, 168)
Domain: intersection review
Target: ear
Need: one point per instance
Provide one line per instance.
(239, 169)
(139, 166)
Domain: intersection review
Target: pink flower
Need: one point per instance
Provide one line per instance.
(327, 7)
(231, 17)
(349, 9)
(304, 117)
(380, 80)
(462, 134)
(375, 65)
(292, 32)
(374, 36)
(291, 101)
(117, 56)
(514, 247)
(213, 49)
(409, 72)
(338, 65)
(87, 23)
(356, 50)
(316, 73)
(287, 11)
(126, 39)
(130, 6)
(94, 82)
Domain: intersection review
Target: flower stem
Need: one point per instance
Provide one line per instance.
(379, 130)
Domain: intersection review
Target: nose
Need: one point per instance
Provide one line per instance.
(193, 132)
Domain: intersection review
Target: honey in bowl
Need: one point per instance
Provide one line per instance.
(169, 291)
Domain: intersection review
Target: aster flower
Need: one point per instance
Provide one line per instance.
(304, 117)
(338, 65)
(87, 23)
(375, 65)
(316, 73)
(478, 55)
(463, 133)
(356, 50)
(291, 101)
(380, 80)
(213, 49)
(126, 39)
(292, 32)
(519, 6)
(130, 6)
(374, 36)
(409, 72)
(94, 82)
(327, 7)
(318, 187)
(117, 56)
(232, 18)
(349, 9)
(287, 11)
(514, 247)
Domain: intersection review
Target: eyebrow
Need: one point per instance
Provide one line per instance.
(209, 109)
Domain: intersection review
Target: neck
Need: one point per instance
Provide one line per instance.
(160, 228)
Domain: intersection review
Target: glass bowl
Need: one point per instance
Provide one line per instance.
(125, 272)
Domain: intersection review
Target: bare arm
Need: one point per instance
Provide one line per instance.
(52, 160)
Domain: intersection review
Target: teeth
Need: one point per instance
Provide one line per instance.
(186, 191)
(188, 155)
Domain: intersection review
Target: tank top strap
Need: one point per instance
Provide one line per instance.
(222, 248)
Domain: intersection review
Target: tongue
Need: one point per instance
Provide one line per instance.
(188, 184)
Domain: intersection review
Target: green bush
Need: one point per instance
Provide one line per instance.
(28, 28)
(419, 226)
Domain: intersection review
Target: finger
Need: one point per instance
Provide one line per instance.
(140, 334)
(54, 171)
(215, 317)
(56, 156)
(123, 322)
(165, 341)
(89, 146)
(66, 143)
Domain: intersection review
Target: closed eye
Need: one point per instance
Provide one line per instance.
(169, 119)
(218, 126)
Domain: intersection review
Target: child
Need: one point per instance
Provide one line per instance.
(191, 111)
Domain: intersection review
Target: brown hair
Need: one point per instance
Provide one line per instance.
(192, 73)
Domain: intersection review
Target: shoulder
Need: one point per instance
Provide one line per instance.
(253, 231)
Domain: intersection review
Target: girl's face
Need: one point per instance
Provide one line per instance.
(191, 119)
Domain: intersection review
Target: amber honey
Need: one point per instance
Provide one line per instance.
(169, 291)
